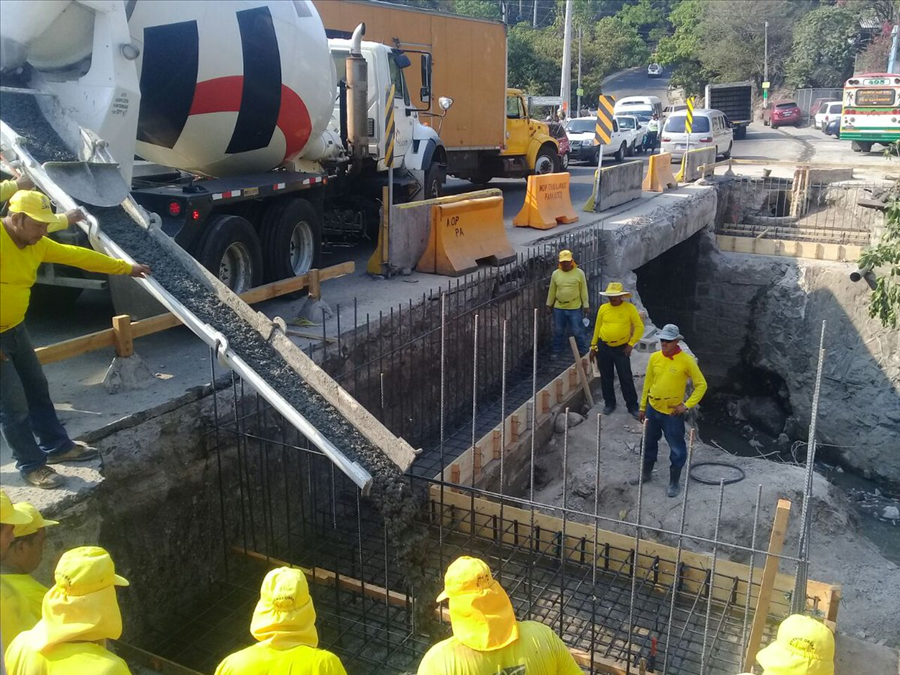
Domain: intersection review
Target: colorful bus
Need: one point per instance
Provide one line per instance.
(871, 110)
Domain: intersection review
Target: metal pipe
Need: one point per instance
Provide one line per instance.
(357, 101)
(204, 331)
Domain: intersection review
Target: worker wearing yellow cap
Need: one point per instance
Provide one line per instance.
(567, 301)
(9, 520)
(486, 636)
(80, 612)
(26, 409)
(21, 594)
(284, 625)
(803, 646)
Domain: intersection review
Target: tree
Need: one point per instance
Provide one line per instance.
(824, 47)
(884, 260)
(480, 9)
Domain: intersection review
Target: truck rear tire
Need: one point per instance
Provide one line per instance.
(231, 251)
(291, 236)
(545, 161)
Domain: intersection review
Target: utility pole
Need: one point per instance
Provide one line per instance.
(578, 91)
(766, 67)
(892, 59)
(565, 87)
(534, 18)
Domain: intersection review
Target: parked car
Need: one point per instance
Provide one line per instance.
(654, 70)
(558, 131)
(782, 113)
(581, 137)
(833, 127)
(827, 111)
(814, 108)
(709, 127)
(677, 107)
(631, 126)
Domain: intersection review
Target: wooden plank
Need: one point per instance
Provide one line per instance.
(124, 340)
(579, 367)
(776, 542)
(789, 248)
(91, 342)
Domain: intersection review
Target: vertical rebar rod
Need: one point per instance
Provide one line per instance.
(562, 534)
(752, 563)
(218, 442)
(680, 548)
(441, 430)
(712, 577)
(596, 539)
(637, 543)
(503, 439)
(799, 599)
(474, 410)
(534, 355)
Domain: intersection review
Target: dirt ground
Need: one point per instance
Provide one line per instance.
(839, 553)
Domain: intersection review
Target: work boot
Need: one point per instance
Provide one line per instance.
(674, 476)
(80, 452)
(646, 474)
(44, 477)
(609, 408)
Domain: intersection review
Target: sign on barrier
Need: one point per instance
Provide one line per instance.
(465, 233)
(389, 128)
(547, 202)
(604, 126)
(689, 116)
(659, 173)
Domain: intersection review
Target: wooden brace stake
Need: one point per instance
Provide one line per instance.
(122, 335)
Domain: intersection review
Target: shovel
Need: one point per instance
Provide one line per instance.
(92, 183)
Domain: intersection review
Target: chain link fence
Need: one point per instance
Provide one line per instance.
(807, 97)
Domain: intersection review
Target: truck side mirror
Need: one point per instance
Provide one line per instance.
(425, 91)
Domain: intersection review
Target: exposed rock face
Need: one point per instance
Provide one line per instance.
(768, 312)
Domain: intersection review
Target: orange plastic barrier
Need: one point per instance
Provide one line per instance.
(659, 173)
(463, 234)
(547, 202)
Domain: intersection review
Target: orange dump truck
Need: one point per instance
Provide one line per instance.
(487, 131)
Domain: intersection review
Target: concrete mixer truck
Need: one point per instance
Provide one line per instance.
(249, 132)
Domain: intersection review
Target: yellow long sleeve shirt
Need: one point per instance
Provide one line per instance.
(263, 659)
(568, 290)
(21, 596)
(617, 326)
(68, 658)
(538, 651)
(666, 382)
(7, 189)
(18, 271)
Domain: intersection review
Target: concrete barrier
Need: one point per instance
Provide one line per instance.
(408, 234)
(464, 233)
(547, 202)
(691, 163)
(659, 173)
(619, 183)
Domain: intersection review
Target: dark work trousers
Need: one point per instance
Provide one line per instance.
(608, 360)
(26, 410)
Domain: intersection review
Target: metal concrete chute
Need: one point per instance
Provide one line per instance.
(17, 156)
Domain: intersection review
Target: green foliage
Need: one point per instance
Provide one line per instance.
(480, 9)
(884, 260)
(823, 49)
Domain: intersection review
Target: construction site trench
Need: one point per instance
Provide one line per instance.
(204, 494)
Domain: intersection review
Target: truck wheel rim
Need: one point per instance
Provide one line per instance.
(543, 165)
(236, 268)
(302, 248)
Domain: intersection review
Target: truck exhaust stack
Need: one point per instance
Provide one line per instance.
(357, 101)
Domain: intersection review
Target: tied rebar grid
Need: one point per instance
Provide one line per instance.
(281, 501)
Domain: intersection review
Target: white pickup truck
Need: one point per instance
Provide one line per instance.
(634, 131)
(580, 131)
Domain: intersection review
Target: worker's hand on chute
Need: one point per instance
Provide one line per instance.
(140, 271)
(23, 182)
(75, 215)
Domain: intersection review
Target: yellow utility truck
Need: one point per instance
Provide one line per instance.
(485, 126)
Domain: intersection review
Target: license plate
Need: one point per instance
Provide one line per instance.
(680, 146)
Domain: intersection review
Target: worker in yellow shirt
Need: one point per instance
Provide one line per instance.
(9, 187)
(21, 594)
(284, 625)
(80, 613)
(567, 300)
(26, 410)
(663, 405)
(486, 636)
(616, 331)
(9, 520)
